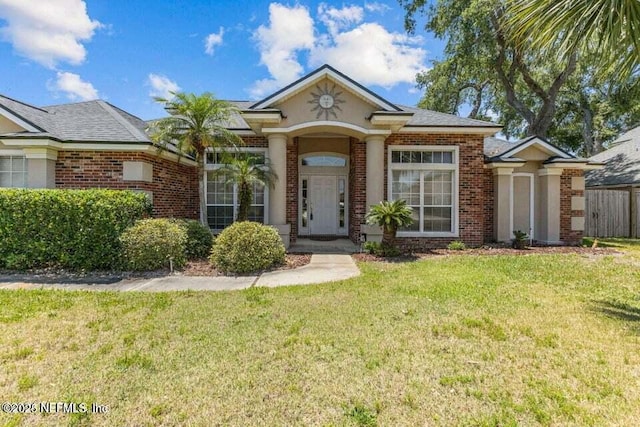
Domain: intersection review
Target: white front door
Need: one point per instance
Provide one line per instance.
(323, 205)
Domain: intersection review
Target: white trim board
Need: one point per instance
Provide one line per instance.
(535, 141)
(7, 114)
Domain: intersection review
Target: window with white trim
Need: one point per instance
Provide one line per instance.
(222, 198)
(425, 177)
(13, 171)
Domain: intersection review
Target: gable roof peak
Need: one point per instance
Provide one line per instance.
(325, 70)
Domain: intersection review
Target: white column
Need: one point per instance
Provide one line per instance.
(278, 194)
(374, 182)
(375, 169)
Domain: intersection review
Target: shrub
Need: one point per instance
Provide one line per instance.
(199, 238)
(456, 245)
(519, 240)
(150, 244)
(381, 249)
(371, 247)
(75, 229)
(246, 247)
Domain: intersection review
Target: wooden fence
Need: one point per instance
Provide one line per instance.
(607, 213)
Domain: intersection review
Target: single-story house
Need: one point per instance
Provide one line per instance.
(620, 173)
(337, 148)
(621, 168)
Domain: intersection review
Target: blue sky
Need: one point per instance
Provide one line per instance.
(59, 51)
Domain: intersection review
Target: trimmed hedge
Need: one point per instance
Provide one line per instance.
(246, 247)
(75, 229)
(199, 239)
(150, 243)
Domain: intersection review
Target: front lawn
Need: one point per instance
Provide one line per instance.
(460, 340)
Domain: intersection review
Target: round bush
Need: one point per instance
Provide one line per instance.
(246, 247)
(150, 243)
(199, 238)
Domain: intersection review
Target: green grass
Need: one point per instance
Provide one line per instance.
(460, 340)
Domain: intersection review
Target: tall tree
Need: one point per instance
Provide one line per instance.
(608, 28)
(593, 108)
(196, 123)
(484, 68)
(246, 171)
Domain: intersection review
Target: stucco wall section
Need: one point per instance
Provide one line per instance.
(298, 109)
(471, 206)
(567, 192)
(174, 185)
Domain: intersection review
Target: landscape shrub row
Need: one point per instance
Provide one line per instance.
(107, 230)
(151, 244)
(74, 229)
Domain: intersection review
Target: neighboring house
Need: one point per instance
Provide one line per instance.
(337, 149)
(622, 163)
(615, 215)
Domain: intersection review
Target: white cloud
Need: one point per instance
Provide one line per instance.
(338, 19)
(162, 86)
(365, 51)
(48, 32)
(73, 87)
(373, 56)
(213, 40)
(289, 31)
(377, 7)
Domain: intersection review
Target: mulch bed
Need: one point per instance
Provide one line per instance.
(193, 268)
(204, 268)
(490, 250)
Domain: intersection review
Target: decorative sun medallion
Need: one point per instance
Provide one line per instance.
(326, 101)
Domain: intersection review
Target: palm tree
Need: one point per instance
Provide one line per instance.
(245, 171)
(610, 27)
(195, 125)
(390, 216)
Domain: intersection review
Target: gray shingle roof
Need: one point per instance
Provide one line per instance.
(99, 121)
(622, 162)
(91, 121)
(493, 147)
(423, 117)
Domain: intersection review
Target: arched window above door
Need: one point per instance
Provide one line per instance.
(326, 160)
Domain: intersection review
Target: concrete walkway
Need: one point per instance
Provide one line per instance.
(322, 268)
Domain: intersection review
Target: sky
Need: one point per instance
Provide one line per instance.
(127, 52)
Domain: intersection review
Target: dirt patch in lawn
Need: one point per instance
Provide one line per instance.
(204, 268)
(492, 250)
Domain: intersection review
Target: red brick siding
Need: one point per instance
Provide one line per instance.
(292, 188)
(174, 186)
(357, 186)
(488, 205)
(255, 141)
(471, 208)
(566, 234)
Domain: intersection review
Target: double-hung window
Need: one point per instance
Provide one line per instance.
(13, 171)
(426, 178)
(222, 197)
